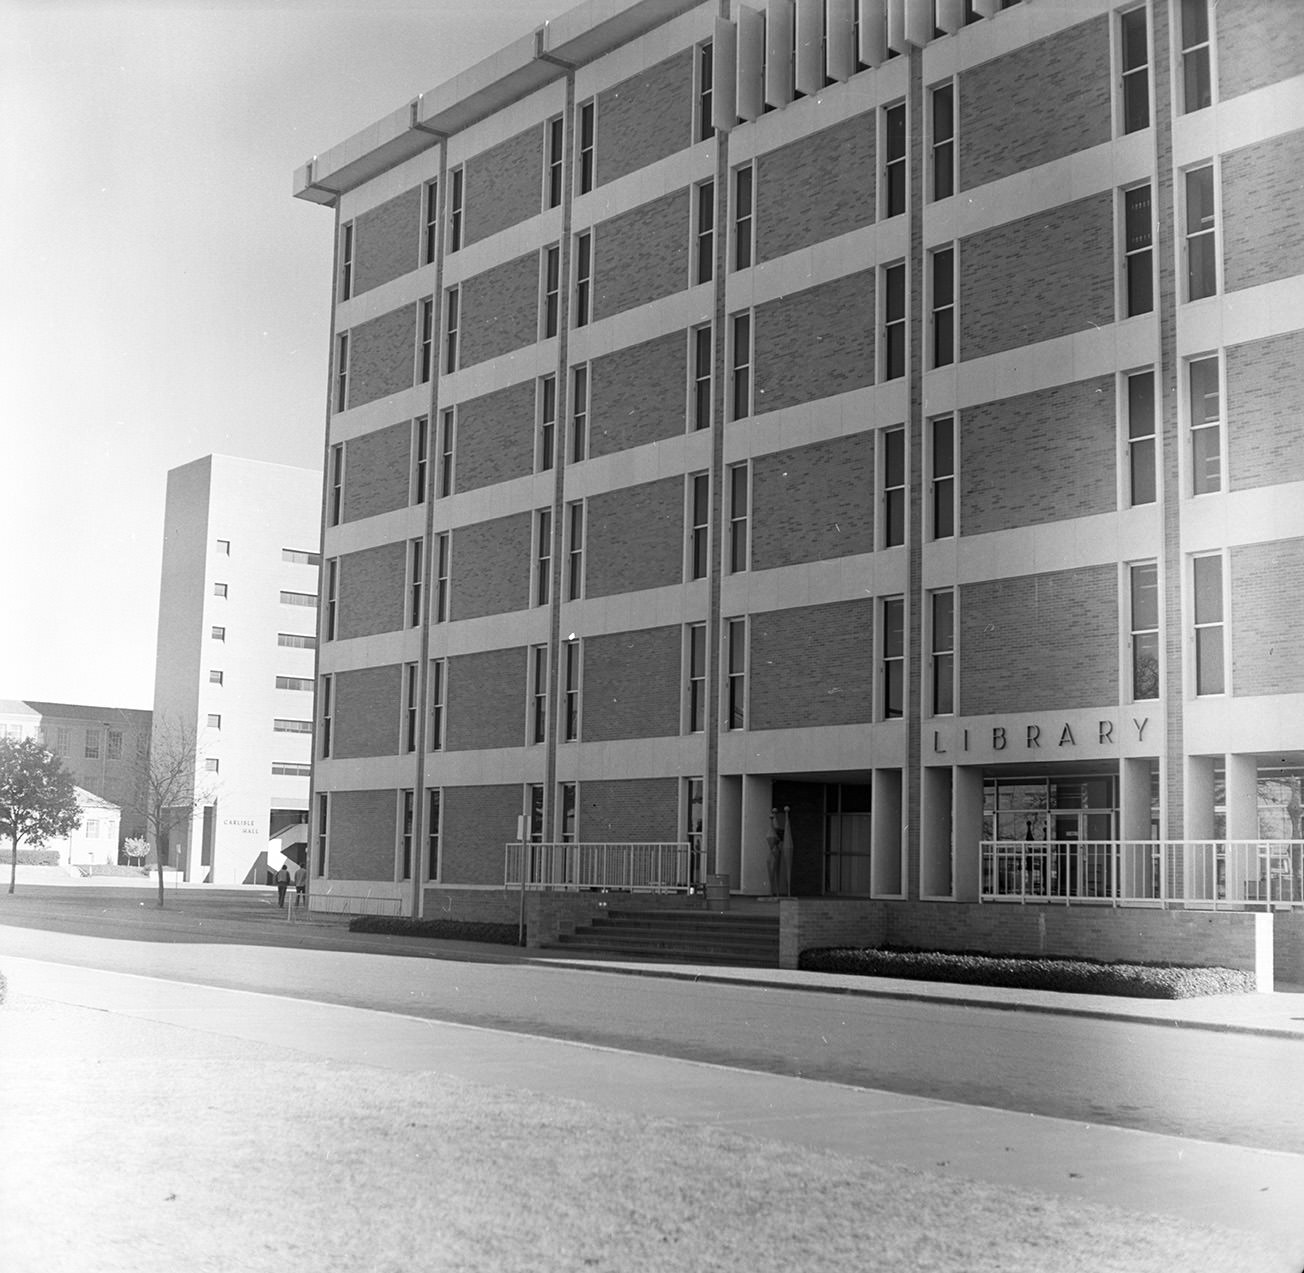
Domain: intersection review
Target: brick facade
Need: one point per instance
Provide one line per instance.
(495, 437)
(629, 810)
(1265, 387)
(499, 310)
(638, 394)
(645, 118)
(382, 356)
(503, 185)
(386, 240)
(486, 700)
(377, 472)
(1260, 42)
(1267, 637)
(632, 684)
(363, 827)
(372, 591)
(641, 255)
(491, 567)
(635, 538)
(1263, 213)
(367, 708)
(478, 823)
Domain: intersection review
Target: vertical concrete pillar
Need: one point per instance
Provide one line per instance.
(968, 831)
(1242, 871)
(752, 873)
(887, 867)
(1137, 876)
(1196, 866)
(936, 833)
(729, 826)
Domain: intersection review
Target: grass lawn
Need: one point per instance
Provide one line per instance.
(134, 1146)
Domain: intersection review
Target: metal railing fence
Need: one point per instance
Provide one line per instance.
(654, 867)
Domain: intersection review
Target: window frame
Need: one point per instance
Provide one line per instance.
(416, 581)
(1198, 448)
(892, 657)
(942, 480)
(346, 261)
(894, 335)
(704, 89)
(573, 674)
(894, 186)
(456, 210)
(430, 222)
(554, 142)
(1137, 632)
(541, 592)
(941, 651)
(697, 515)
(341, 372)
(742, 195)
(583, 278)
(942, 306)
(701, 393)
(586, 139)
(420, 467)
(736, 652)
(1128, 97)
(1195, 53)
(703, 233)
(1210, 232)
(549, 290)
(894, 487)
(330, 611)
(545, 449)
(446, 477)
(425, 339)
(438, 690)
(322, 860)
(942, 141)
(1136, 263)
(741, 338)
(452, 312)
(1208, 625)
(739, 520)
(1140, 449)
(406, 822)
(536, 731)
(579, 414)
(694, 718)
(411, 705)
(325, 716)
(442, 611)
(335, 497)
(575, 528)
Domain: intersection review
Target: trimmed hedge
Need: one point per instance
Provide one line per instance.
(34, 857)
(1029, 972)
(445, 929)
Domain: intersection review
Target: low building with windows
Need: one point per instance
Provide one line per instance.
(869, 421)
(235, 662)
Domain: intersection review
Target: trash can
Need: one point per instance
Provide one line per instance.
(717, 892)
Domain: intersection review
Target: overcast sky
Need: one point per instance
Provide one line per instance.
(163, 296)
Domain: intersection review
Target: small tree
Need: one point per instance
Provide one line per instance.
(37, 799)
(136, 847)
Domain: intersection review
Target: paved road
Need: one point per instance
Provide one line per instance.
(1226, 1088)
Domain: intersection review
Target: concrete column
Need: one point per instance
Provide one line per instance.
(968, 831)
(1242, 872)
(1137, 876)
(1196, 864)
(887, 868)
(729, 826)
(936, 833)
(753, 874)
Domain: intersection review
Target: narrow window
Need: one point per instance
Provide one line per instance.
(943, 307)
(944, 141)
(420, 458)
(1206, 426)
(550, 285)
(568, 800)
(113, 743)
(332, 597)
(441, 580)
(224, 547)
(217, 634)
(579, 439)
(342, 371)
(430, 225)
(216, 678)
(534, 811)
(743, 217)
(219, 590)
(298, 598)
(547, 398)
(894, 487)
(583, 277)
(1144, 580)
(538, 693)
(703, 358)
(699, 533)
(572, 730)
(1197, 83)
(586, 131)
(894, 658)
(1201, 234)
(742, 366)
(1135, 59)
(346, 263)
(211, 764)
(943, 479)
(405, 848)
(1208, 608)
(695, 690)
(552, 164)
(414, 582)
(410, 707)
(426, 352)
(326, 715)
(542, 556)
(736, 665)
(455, 211)
(704, 262)
(336, 509)
(323, 823)
(214, 720)
(438, 677)
(446, 454)
(432, 833)
(942, 625)
(1141, 437)
(694, 797)
(738, 500)
(894, 160)
(894, 321)
(1137, 251)
(575, 557)
(300, 556)
(92, 744)
(705, 84)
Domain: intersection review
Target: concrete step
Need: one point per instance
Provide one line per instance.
(694, 936)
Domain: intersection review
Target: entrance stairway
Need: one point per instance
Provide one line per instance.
(748, 938)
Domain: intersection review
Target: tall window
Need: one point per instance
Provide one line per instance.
(426, 351)
(942, 655)
(743, 179)
(346, 262)
(1144, 581)
(1208, 610)
(704, 259)
(452, 307)
(1201, 234)
(1134, 58)
(534, 811)
(326, 715)
(1197, 82)
(1206, 425)
(583, 276)
(113, 744)
(420, 458)
(736, 674)
(410, 707)
(738, 502)
(435, 804)
(405, 845)
(332, 598)
(695, 689)
(894, 487)
(1141, 437)
(92, 744)
(579, 433)
(699, 525)
(553, 164)
(568, 793)
(894, 322)
(547, 397)
(1138, 273)
(538, 693)
(446, 454)
(894, 658)
(702, 362)
(575, 553)
(323, 824)
(893, 197)
(430, 224)
(455, 210)
(542, 556)
(415, 565)
(335, 509)
(217, 633)
(586, 132)
(742, 366)
(943, 307)
(438, 691)
(572, 691)
(342, 371)
(705, 85)
(942, 439)
(441, 578)
(220, 590)
(694, 804)
(550, 287)
(943, 101)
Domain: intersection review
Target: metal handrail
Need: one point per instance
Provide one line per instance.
(653, 866)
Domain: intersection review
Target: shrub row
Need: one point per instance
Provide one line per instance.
(447, 929)
(1073, 976)
(34, 857)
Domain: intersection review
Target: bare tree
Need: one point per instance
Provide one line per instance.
(37, 799)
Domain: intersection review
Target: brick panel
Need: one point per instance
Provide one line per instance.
(1035, 104)
(491, 567)
(632, 685)
(641, 255)
(1039, 643)
(1267, 638)
(816, 188)
(486, 700)
(1265, 387)
(372, 591)
(504, 185)
(382, 356)
(635, 538)
(500, 310)
(366, 712)
(811, 666)
(813, 503)
(495, 437)
(477, 824)
(1039, 457)
(815, 343)
(386, 241)
(1259, 42)
(645, 118)
(362, 837)
(629, 810)
(1037, 278)
(1263, 212)
(638, 394)
(376, 472)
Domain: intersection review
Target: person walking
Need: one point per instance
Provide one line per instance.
(300, 881)
(282, 883)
